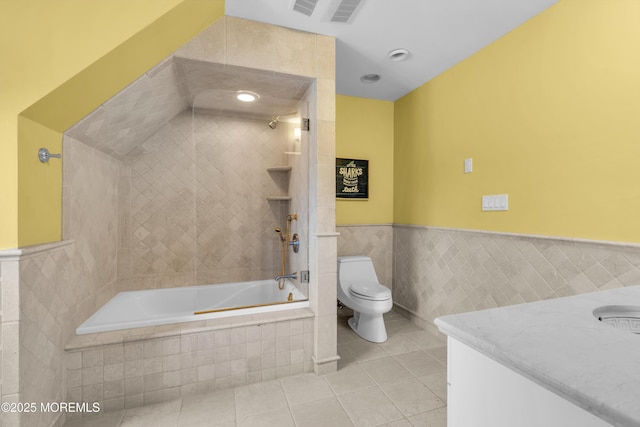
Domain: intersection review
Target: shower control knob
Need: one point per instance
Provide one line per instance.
(295, 243)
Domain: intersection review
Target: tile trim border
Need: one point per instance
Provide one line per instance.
(79, 342)
(386, 224)
(17, 254)
(331, 234)
(524, 236)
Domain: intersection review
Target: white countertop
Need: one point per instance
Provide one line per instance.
(560, 345)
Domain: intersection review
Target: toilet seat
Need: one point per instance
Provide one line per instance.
(370, 291)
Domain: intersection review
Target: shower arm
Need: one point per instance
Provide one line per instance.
(276, 120)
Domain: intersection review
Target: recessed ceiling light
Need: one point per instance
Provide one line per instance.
(370, 78)
(246, 96)
(398, 54)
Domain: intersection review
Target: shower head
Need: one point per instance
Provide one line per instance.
(289, 118)
(279, 231)
(274, 122)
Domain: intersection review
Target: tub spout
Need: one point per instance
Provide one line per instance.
(287, 276)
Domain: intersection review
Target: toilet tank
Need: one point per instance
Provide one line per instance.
(353, 269)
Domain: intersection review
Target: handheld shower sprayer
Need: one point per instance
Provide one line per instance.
(286, 240)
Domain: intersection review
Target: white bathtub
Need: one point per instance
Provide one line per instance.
(154, 307)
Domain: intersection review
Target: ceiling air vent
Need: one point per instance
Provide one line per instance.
(304, 6)
(345, 11)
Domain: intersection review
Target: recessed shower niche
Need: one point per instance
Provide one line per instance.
(190, 170)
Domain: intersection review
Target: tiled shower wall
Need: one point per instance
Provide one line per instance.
(89, 216)
(193, 205)
(445, 271)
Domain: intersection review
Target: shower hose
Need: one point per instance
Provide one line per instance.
(283, 245)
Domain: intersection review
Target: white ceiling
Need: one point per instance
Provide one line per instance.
(438, 33)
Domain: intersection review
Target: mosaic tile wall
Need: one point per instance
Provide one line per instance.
(196, 210)
(443, 271)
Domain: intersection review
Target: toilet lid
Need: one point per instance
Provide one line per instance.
(371, 291)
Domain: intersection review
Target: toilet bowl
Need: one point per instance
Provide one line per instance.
(359, 289)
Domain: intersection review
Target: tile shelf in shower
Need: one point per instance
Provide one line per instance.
(279, 170)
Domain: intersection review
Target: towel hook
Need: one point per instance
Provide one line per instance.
(44, 155)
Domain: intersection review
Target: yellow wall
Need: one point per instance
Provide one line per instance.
(550, 114)
(62, 60)
(364, 130)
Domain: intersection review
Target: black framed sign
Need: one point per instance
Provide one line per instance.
(352, 179)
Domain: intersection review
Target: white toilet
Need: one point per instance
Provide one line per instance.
(359, 289)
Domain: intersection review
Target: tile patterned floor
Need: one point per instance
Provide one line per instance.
(399, 383)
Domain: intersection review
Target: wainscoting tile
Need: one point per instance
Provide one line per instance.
(446, 271)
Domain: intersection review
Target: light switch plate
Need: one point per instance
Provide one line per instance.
(498, 202)
(468, 165)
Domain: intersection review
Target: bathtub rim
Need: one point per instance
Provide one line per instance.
(82, 342)
(84, 329)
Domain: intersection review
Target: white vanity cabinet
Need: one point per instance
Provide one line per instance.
(485, 393)
(551, 363)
